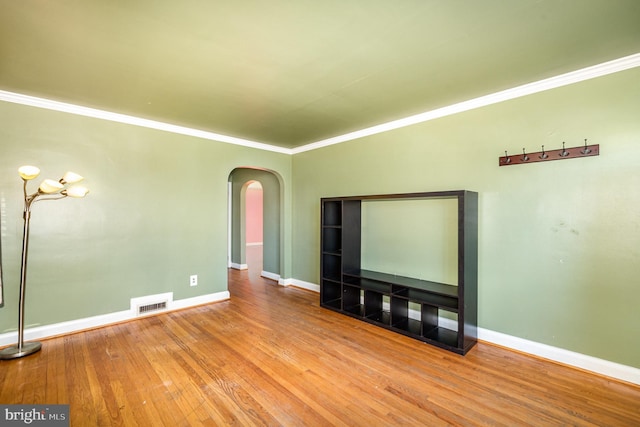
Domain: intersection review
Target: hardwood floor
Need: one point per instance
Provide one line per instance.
(271, 356)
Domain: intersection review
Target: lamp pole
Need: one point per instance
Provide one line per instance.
(52, 188)
(23, 349)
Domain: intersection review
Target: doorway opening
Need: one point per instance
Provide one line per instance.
(254, 199)
(255, 221)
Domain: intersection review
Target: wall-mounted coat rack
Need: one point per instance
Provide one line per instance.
(545, 156)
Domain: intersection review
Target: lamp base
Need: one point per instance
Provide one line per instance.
(14, 352)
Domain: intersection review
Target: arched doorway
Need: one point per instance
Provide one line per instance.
(240, 180)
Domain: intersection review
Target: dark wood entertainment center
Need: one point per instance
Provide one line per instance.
(386, 299)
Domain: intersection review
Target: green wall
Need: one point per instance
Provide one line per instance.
(558, 241)
(157, 213)
(558, 251)
(430, 225)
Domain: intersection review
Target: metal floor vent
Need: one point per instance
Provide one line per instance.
(149, 304)
(148, 308)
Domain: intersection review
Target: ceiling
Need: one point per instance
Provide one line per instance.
(290, 73)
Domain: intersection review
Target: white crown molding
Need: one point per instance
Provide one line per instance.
(33, 101)
(588, 73)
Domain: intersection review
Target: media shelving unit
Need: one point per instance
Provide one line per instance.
(386, 299)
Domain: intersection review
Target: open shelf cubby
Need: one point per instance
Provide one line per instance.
(437, 312)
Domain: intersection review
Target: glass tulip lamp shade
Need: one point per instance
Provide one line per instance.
(50, 186)
(28, 172)
(71, 178)
(77, 191)
(49, 189)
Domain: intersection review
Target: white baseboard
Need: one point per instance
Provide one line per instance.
(270, 276)
(300, 284)
(78, 325)
(46, 331)
(238, 266)
(589, 363)
(556, 354)
(560, 355)
(200, 300)
(255, 244)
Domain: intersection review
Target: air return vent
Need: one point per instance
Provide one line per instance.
(157, 306)
(151, 304)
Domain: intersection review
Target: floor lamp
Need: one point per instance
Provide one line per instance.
(48, 190)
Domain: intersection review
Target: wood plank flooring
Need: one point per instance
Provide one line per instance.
(271, 356)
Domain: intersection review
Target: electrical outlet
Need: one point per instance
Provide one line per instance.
(193, 280)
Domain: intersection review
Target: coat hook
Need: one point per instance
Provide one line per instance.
(554, 154)
(544, 155)
(563, 153)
